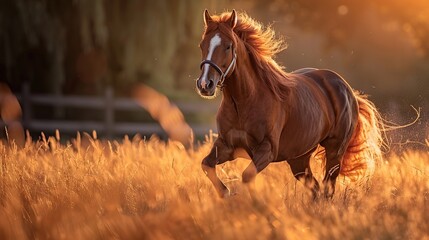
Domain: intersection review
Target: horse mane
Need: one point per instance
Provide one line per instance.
(262, 45)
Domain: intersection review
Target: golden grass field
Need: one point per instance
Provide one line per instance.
(149, 189)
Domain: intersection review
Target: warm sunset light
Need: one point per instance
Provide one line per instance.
(214, 119)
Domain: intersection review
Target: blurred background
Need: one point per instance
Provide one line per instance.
(128, 66)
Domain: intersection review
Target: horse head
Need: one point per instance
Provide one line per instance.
(218, 49)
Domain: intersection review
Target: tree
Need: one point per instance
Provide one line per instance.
(337, 18)
(80, 46)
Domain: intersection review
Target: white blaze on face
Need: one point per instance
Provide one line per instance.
(214, 42)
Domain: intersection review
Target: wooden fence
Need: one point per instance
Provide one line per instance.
(108, 104)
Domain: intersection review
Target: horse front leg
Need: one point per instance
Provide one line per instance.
(219, 154)
(261, 157)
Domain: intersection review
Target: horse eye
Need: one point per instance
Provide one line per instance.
(228, 47)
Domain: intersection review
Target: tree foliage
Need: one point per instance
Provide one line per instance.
(338, 18)
(80, 46)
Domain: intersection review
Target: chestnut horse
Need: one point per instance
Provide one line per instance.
(277, 116)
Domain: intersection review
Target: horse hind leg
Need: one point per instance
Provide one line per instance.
(334, 151)
(302, 172)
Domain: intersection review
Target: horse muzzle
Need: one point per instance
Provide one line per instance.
(206, 87)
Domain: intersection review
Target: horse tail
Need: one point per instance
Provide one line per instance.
(364, 149)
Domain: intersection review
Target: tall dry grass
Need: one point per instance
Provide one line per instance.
(148, 189)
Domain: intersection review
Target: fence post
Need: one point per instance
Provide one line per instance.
(26, 105)
(109, 112)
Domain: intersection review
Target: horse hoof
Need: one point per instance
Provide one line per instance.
(227, 193)
(316, 197)
(328, 195)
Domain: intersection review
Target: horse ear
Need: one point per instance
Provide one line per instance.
(233, 19)
(207, 17)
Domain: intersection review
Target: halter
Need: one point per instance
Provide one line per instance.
(222, 74)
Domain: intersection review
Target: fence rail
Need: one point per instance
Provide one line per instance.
(108, 104)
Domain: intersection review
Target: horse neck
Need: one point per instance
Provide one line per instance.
(242, 84)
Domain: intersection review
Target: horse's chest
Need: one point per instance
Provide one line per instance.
(241, 129)
(239, 139)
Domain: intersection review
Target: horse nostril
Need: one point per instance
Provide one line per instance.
(210, 84)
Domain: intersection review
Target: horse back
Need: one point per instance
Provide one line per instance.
(324, 106)
(337, 90)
